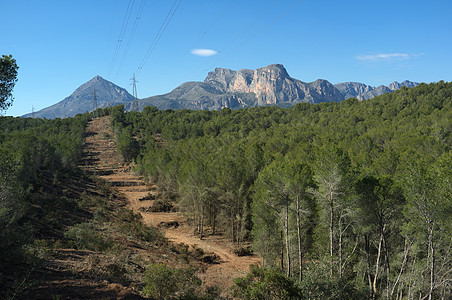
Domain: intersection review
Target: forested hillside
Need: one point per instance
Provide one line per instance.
(36, 156)
(348, 200)
(66, 233)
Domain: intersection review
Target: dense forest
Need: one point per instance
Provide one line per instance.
(349, 200)
(35, 156)
(342, 200)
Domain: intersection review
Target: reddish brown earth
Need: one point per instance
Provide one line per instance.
(104, 160)
(60, 283)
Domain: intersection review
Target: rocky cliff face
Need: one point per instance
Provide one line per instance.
(362, 91)
(272, 85)
(81, 100)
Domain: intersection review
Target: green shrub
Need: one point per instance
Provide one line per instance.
(85, 236)
(126, 144)
(262, 283)
(163, 282)
(317, 284)
(162, 206)
(132, 225)
(116, 272)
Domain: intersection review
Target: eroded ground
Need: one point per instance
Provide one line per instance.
(106, 163)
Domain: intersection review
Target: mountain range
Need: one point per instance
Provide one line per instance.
(270, 85)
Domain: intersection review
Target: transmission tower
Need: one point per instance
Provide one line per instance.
(33, 112)
(94, 102)
(135, 94)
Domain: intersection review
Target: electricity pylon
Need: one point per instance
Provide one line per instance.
(134, 92)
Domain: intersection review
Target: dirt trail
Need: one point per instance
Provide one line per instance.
(100, 153)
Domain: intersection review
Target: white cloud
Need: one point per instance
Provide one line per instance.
(387, 57)
(204, 52)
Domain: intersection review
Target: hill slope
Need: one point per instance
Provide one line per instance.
(81, 100)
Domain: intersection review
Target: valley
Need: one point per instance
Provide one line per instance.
(103, 160)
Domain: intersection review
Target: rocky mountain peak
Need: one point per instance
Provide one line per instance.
(271, 85)
(396, 85)
(81, 100)
(220, 78)
(362, 91)
(96, 78)
(275, 69)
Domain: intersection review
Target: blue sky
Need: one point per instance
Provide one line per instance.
(59, 45)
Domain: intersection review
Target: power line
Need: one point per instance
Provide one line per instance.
(214, 22)
(134, 29)
(121, 34)
(159, 34)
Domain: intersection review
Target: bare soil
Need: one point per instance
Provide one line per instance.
(101, 158)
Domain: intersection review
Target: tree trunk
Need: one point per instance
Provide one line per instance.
(300, 251)
(369, 275)
(286, 227)
(232, 225)
(406, 251)
(331, 232)
(201, 225)
(340, 247)
(282, 252)
(237, 231)
(377, 267)
(195, 224)
(387, 266)
(214, 220)
(431, 250)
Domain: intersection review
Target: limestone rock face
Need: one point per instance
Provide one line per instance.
(272, 85)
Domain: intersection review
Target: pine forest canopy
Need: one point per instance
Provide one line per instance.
(362, 188)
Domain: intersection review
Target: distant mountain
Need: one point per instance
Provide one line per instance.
(395, 85)
(81, 100)
(362, 91)
(271, 85)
